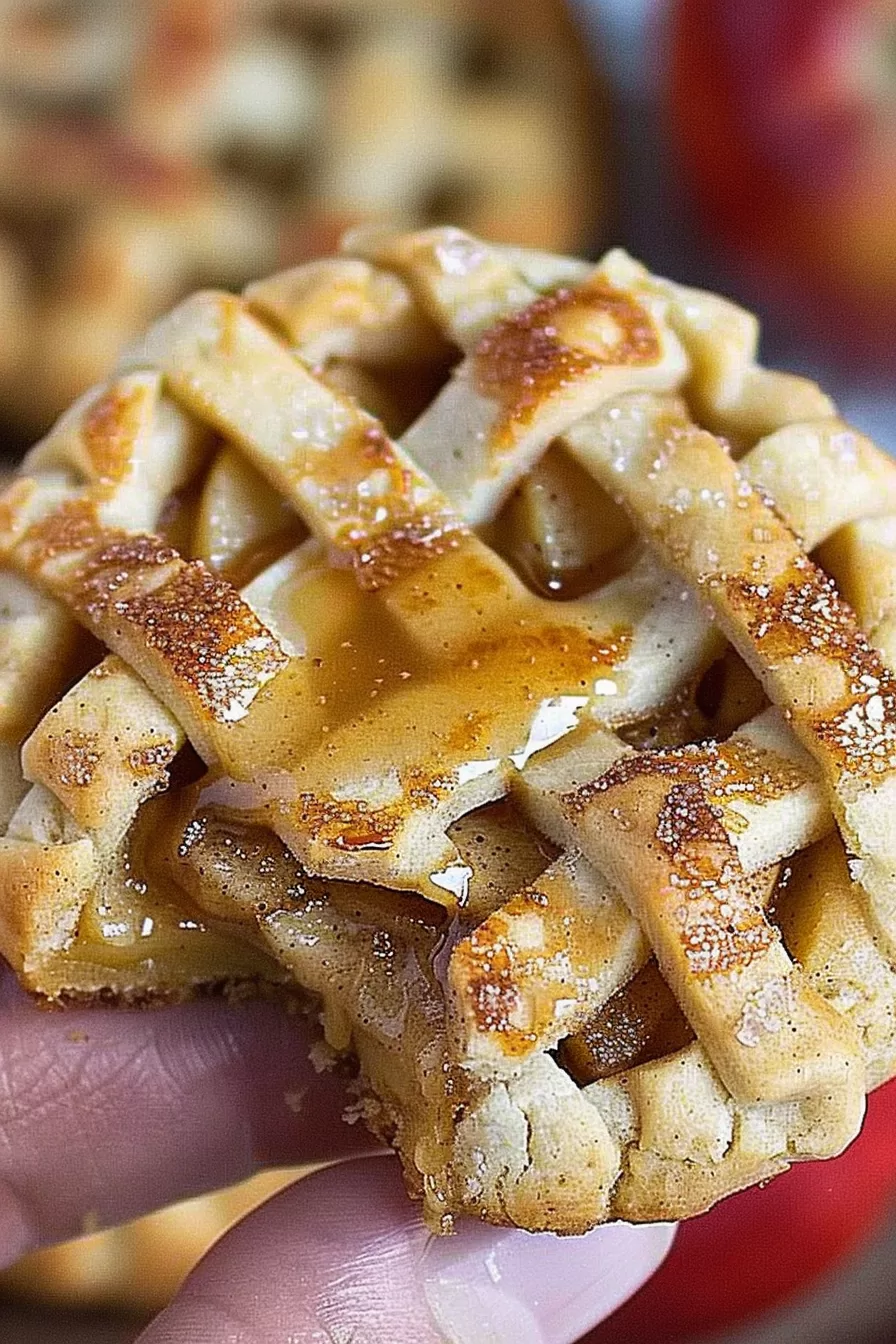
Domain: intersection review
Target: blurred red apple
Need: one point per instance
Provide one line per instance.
(784, 116)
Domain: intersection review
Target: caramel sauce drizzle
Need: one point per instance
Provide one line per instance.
(494, 688)
(388, 532)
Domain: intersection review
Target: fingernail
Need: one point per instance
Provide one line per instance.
(488, 1287)
(18, 1233)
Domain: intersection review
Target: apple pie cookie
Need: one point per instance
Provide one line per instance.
(152, 147)
(482, 645)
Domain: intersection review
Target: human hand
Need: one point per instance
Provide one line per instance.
(105, 1115)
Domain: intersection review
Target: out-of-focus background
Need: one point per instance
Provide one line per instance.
(150, 147)
(756, 142)
(153, 147)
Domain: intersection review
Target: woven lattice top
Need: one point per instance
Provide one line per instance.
(152, 147)
(461, 634)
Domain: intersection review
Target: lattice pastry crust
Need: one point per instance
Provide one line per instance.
(434, 629)
(150, 147)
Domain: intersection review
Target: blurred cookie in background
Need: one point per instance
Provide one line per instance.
(150, 148)
(138, 1267)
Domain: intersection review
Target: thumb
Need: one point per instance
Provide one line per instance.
(344, 1255)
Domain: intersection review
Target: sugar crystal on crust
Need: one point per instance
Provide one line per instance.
(152, 759)
(801, 616)
(74, 756)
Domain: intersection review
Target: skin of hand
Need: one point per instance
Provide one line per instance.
(105, 1115)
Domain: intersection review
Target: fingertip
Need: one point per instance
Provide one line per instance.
(538, 1289)
(331, 1257)
(345, 1254)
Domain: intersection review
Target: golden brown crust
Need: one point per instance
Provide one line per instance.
(524, 359)
(630, 1018)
